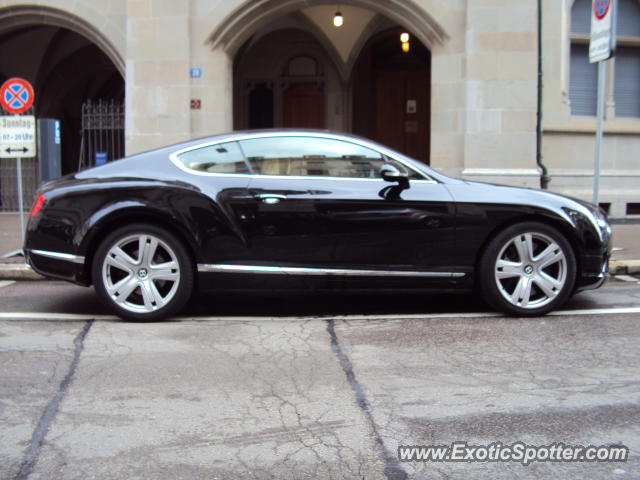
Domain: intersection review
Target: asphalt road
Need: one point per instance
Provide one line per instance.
(302, 387)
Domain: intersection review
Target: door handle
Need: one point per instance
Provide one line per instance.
(270, 198)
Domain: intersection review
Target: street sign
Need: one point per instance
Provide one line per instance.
(601, 48)
(603, 36)
(16, 95)
(17, 136)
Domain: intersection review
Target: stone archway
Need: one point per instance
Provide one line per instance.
(15, 17)
(69, 63)
(236, 29)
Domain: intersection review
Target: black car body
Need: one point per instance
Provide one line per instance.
(280, 209)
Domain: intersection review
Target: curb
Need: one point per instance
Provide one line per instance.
(18, 271)
(21, 271)
(624, 267)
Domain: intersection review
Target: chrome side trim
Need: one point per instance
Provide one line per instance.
(218, 268)
(59, 256)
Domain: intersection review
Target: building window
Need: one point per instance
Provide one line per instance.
(626, 74)
(626, 85)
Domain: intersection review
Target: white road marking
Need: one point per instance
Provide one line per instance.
(626, 278)
(399, 316)
(54, 316)
(6, 283)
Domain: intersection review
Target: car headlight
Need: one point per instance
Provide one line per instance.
(601, 220)
(596, 217)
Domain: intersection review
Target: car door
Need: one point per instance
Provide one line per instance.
(219, 170)
(320, 202)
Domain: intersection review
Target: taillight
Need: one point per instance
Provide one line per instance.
(37, 205)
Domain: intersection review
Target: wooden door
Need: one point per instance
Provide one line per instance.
(402, 112)
(303, 106)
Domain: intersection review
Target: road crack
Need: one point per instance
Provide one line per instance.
(392, 468)
(49, 414)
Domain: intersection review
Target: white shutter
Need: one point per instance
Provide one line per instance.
(581, 17)
(626, 89)
(628, 18)
(582, 82)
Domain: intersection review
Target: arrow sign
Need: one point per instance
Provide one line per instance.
(17, 136)
(11, 150)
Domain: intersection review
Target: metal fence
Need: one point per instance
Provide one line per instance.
(102, 139)
(102, 132)
(9, 183)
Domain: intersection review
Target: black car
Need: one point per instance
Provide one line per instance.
(307, 209)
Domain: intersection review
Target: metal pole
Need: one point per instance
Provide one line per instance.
(599, 127)
(544, 173)
(20, 206)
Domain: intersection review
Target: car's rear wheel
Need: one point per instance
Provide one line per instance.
(527, 269)
(143, 272)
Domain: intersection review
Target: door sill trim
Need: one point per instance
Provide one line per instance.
(277, 270)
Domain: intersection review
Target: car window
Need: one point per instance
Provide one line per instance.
(219, 158)
(310, 156)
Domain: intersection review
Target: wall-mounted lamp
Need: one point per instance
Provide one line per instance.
(338, 20)
(404, 38)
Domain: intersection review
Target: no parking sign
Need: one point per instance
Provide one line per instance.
(17, 133)
(16, 95)
(603, 37)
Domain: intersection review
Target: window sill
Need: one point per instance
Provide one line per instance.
(629, 126)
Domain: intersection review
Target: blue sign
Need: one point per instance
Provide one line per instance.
(195, 72)
(101, 158)
(56, 135)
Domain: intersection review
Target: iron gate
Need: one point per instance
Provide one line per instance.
(102, 139)
(102, 132)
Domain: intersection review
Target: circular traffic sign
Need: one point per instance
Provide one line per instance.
(16, 95)
(601, 8)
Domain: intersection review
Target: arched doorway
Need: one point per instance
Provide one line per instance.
(391, 93)
(283, 79)
(298, 70)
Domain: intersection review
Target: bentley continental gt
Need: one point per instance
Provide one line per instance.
(293, 209)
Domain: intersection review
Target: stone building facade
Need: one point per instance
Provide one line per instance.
(463, 99)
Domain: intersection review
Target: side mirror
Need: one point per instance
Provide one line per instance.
(390, 173)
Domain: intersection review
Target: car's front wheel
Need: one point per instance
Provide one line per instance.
(527, 269)
(143, 272)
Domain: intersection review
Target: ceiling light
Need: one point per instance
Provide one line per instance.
(404, 37)
(338, 20)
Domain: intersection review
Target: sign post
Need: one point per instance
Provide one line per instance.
(601, 48)
(17, 133)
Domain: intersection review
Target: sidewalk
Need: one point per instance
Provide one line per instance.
(625, 258)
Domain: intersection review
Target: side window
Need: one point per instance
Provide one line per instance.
(309, 156)
(219, 158)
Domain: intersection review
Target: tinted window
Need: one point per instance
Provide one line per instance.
(220, 158)
(308, 156)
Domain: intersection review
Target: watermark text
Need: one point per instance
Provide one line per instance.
(516, 452)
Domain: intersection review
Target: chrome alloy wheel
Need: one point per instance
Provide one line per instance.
(530, 270)
(141, 273)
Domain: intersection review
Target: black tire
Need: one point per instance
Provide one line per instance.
(147, 287)
(527, 269)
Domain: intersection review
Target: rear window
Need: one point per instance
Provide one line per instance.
(219, 158)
